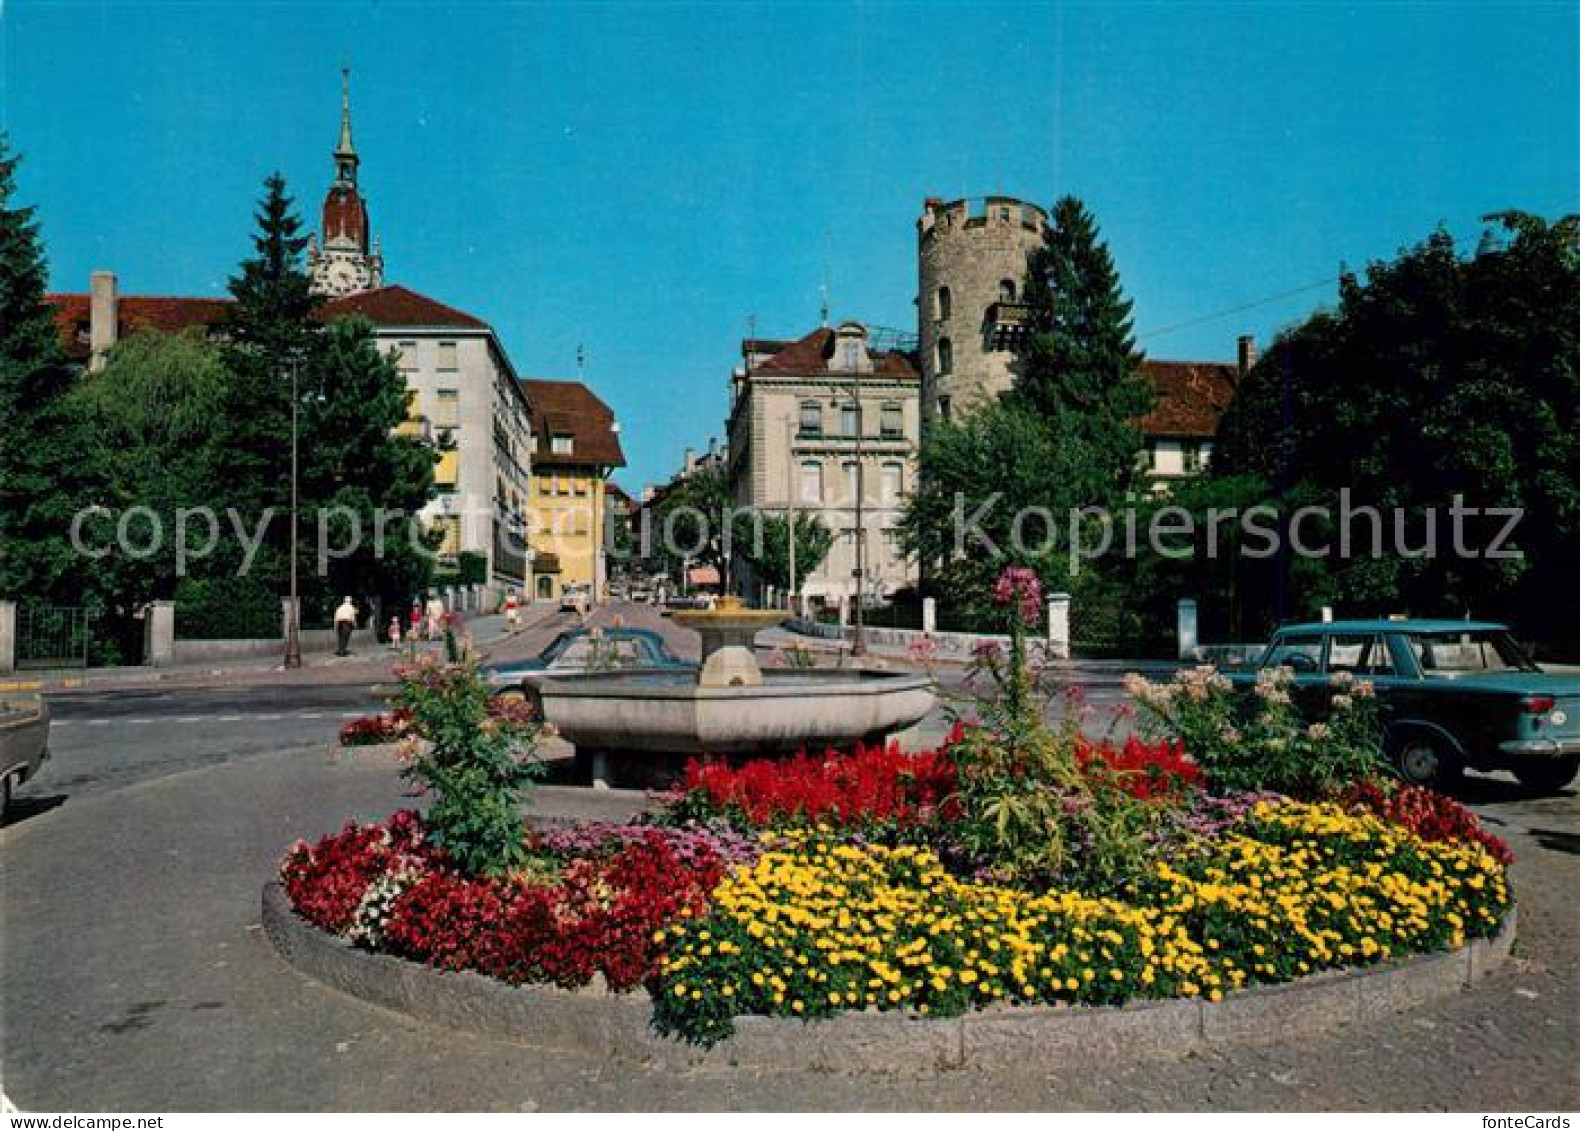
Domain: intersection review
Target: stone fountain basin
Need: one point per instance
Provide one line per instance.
(667, 712)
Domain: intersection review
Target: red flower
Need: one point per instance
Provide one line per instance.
(875, 785)
(1426, 813)
(1157, 770)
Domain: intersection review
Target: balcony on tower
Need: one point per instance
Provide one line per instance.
(1008, 322)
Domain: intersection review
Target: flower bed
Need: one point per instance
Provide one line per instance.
(1017, 864)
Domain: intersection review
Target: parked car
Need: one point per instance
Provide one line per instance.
(1454, 695)
(586, 650)
(575, 599)
(24, 743)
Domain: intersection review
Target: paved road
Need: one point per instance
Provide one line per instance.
(133, 974)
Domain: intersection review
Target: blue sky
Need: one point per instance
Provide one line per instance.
(646, 179)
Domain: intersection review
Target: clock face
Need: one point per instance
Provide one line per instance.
(343, 276)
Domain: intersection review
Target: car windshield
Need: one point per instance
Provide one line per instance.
(1448, 654)
(588, 653)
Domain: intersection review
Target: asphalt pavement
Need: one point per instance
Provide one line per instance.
(134, 975)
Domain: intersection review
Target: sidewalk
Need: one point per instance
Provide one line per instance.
(368, 665)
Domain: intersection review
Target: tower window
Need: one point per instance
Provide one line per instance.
(942, 304)
(943, 409)
(946, 356)
(1006, 290)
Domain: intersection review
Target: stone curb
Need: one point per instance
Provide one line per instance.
(616, 1026)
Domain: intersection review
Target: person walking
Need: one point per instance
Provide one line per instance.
(345, 625)
(414, 619)
(512, 611)
(435, 617)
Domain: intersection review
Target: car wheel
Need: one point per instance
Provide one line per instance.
(1423, 760)
(1548, 777)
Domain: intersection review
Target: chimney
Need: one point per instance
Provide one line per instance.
(1247, 354)
(691, 461)
(103, 317)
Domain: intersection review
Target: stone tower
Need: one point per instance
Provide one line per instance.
(972, 264)
(346, 261)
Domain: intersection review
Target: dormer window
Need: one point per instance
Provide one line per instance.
(562, 443)
(1006, 290)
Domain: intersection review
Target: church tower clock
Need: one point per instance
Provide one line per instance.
(343, 261)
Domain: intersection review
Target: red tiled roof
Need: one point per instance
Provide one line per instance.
(134, 312)
(395, 305)
(571, 408)
(810, 356)
(1190, 397)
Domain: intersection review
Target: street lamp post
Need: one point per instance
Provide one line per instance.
(293, 626)
(790, 516)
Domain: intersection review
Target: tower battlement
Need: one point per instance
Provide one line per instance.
(940, 218)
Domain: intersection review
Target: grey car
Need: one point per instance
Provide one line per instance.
(24, 743)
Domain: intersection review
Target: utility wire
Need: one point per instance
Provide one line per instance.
(1238, 309)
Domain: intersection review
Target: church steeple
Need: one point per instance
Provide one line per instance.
(346, 159)
(347, 260)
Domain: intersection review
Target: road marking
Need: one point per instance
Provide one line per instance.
(266, 718)
(142, 720)
(350, 714)
(98, 722)
(230, 718)
(310, 715)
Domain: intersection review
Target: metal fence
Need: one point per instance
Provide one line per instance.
(51, 636)
(1101, 628)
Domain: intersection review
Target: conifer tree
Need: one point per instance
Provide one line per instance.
(1080, 371)
(45, 459)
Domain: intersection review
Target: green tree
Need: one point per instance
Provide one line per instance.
(47, 463)
(152, 408)
(355, 465)
(689, 521)
(764, 542)
(1079, 370)
(270, 329)
(1437, 376)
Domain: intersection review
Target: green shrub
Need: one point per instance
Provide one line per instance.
(226, 608)
(1258, 739)
(475, 757)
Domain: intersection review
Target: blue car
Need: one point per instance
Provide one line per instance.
(1454, 694)
(587, 650)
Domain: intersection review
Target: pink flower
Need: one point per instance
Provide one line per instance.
(1019, 588)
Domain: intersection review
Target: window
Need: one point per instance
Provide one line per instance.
(1302, 653)
(946, 356)
(893, 483)
(892, 421)
(447, 356)
(811, 482)
(451, 525)
(562, 444)
(811, 418)
(942, 304)
(1006, 290)
(1359, 655)
(851, 474)
(447, 411)
(1474, 651)
(446, 474)
(1192, 455)
(943, 409)
(1149, 456)
(406, 356)
(850, 419)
